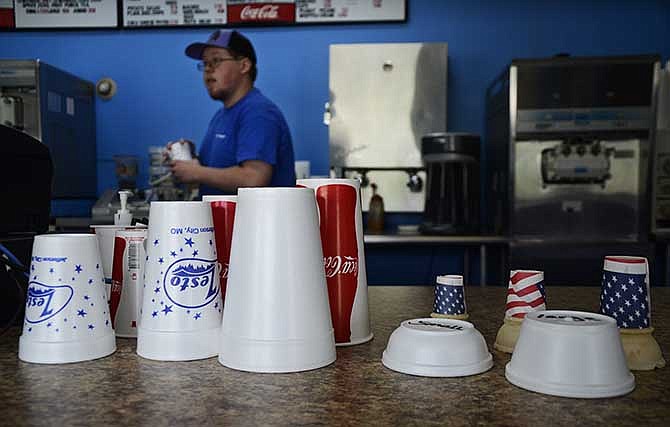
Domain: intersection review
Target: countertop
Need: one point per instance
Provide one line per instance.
(355, 390)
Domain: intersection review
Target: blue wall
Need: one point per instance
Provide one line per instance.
(161, 96)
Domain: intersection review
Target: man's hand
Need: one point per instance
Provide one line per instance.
(187, 171)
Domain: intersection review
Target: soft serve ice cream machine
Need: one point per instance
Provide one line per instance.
(570, 143)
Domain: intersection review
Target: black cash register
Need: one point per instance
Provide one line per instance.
(26, 175)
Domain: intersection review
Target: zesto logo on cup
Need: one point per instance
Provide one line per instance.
(277, 12)
(195, 275)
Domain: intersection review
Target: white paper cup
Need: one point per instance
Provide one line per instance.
(276, 316)
(127, 281)
(570, 354)
(181, 310)
(106, 235)
(180, 150)
(302, 169)
(437, 348)
(449, 301)
(67, 317)
(341, 227)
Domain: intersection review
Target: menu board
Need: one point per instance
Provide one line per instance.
(349, 10)
(76, 14)
(65, 13)
(151, 13)
(159, 13)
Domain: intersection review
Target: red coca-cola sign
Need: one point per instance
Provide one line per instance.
(261, 12)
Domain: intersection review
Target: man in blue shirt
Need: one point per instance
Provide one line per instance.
(248, 143)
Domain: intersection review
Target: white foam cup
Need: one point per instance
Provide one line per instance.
(570, 354)
(67, 316)
(276, 315)
(180, 318)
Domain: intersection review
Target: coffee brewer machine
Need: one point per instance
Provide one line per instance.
(452, 183)
(569, 143)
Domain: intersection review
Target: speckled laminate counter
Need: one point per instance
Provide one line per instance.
(356, 390)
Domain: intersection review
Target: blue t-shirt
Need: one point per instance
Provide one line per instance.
(252, 129)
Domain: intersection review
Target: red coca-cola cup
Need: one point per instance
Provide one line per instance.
(125, 298)
(341, 226)
(223, 214)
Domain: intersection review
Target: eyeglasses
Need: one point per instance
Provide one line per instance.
(212, 64)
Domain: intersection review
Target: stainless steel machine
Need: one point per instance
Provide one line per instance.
(383, 99)
(661, 207)
(57, 109)
(569, 159)
(452, 187)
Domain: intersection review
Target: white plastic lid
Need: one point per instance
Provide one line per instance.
(437, 347)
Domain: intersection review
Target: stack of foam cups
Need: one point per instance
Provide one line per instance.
(181, 310)
(341, 227)
(276, 316)
(525, 294)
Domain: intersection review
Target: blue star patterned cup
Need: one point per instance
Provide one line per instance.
(625, 296)
(624, 292)
(67, 317)
(450, 298)
(180, 318)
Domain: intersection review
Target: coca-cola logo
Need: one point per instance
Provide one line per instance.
(340, 265)
(266, 11)
(223, 266)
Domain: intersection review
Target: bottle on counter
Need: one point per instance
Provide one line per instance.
(376, 212)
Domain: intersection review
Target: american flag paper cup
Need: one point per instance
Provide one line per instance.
(525, 294)
(625, 296)
(450, 298)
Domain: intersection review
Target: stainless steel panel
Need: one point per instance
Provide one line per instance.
(19, 79)
(383, 99)
(661, 199)
(581, 211)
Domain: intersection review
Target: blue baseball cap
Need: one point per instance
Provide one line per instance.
(228, 39)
